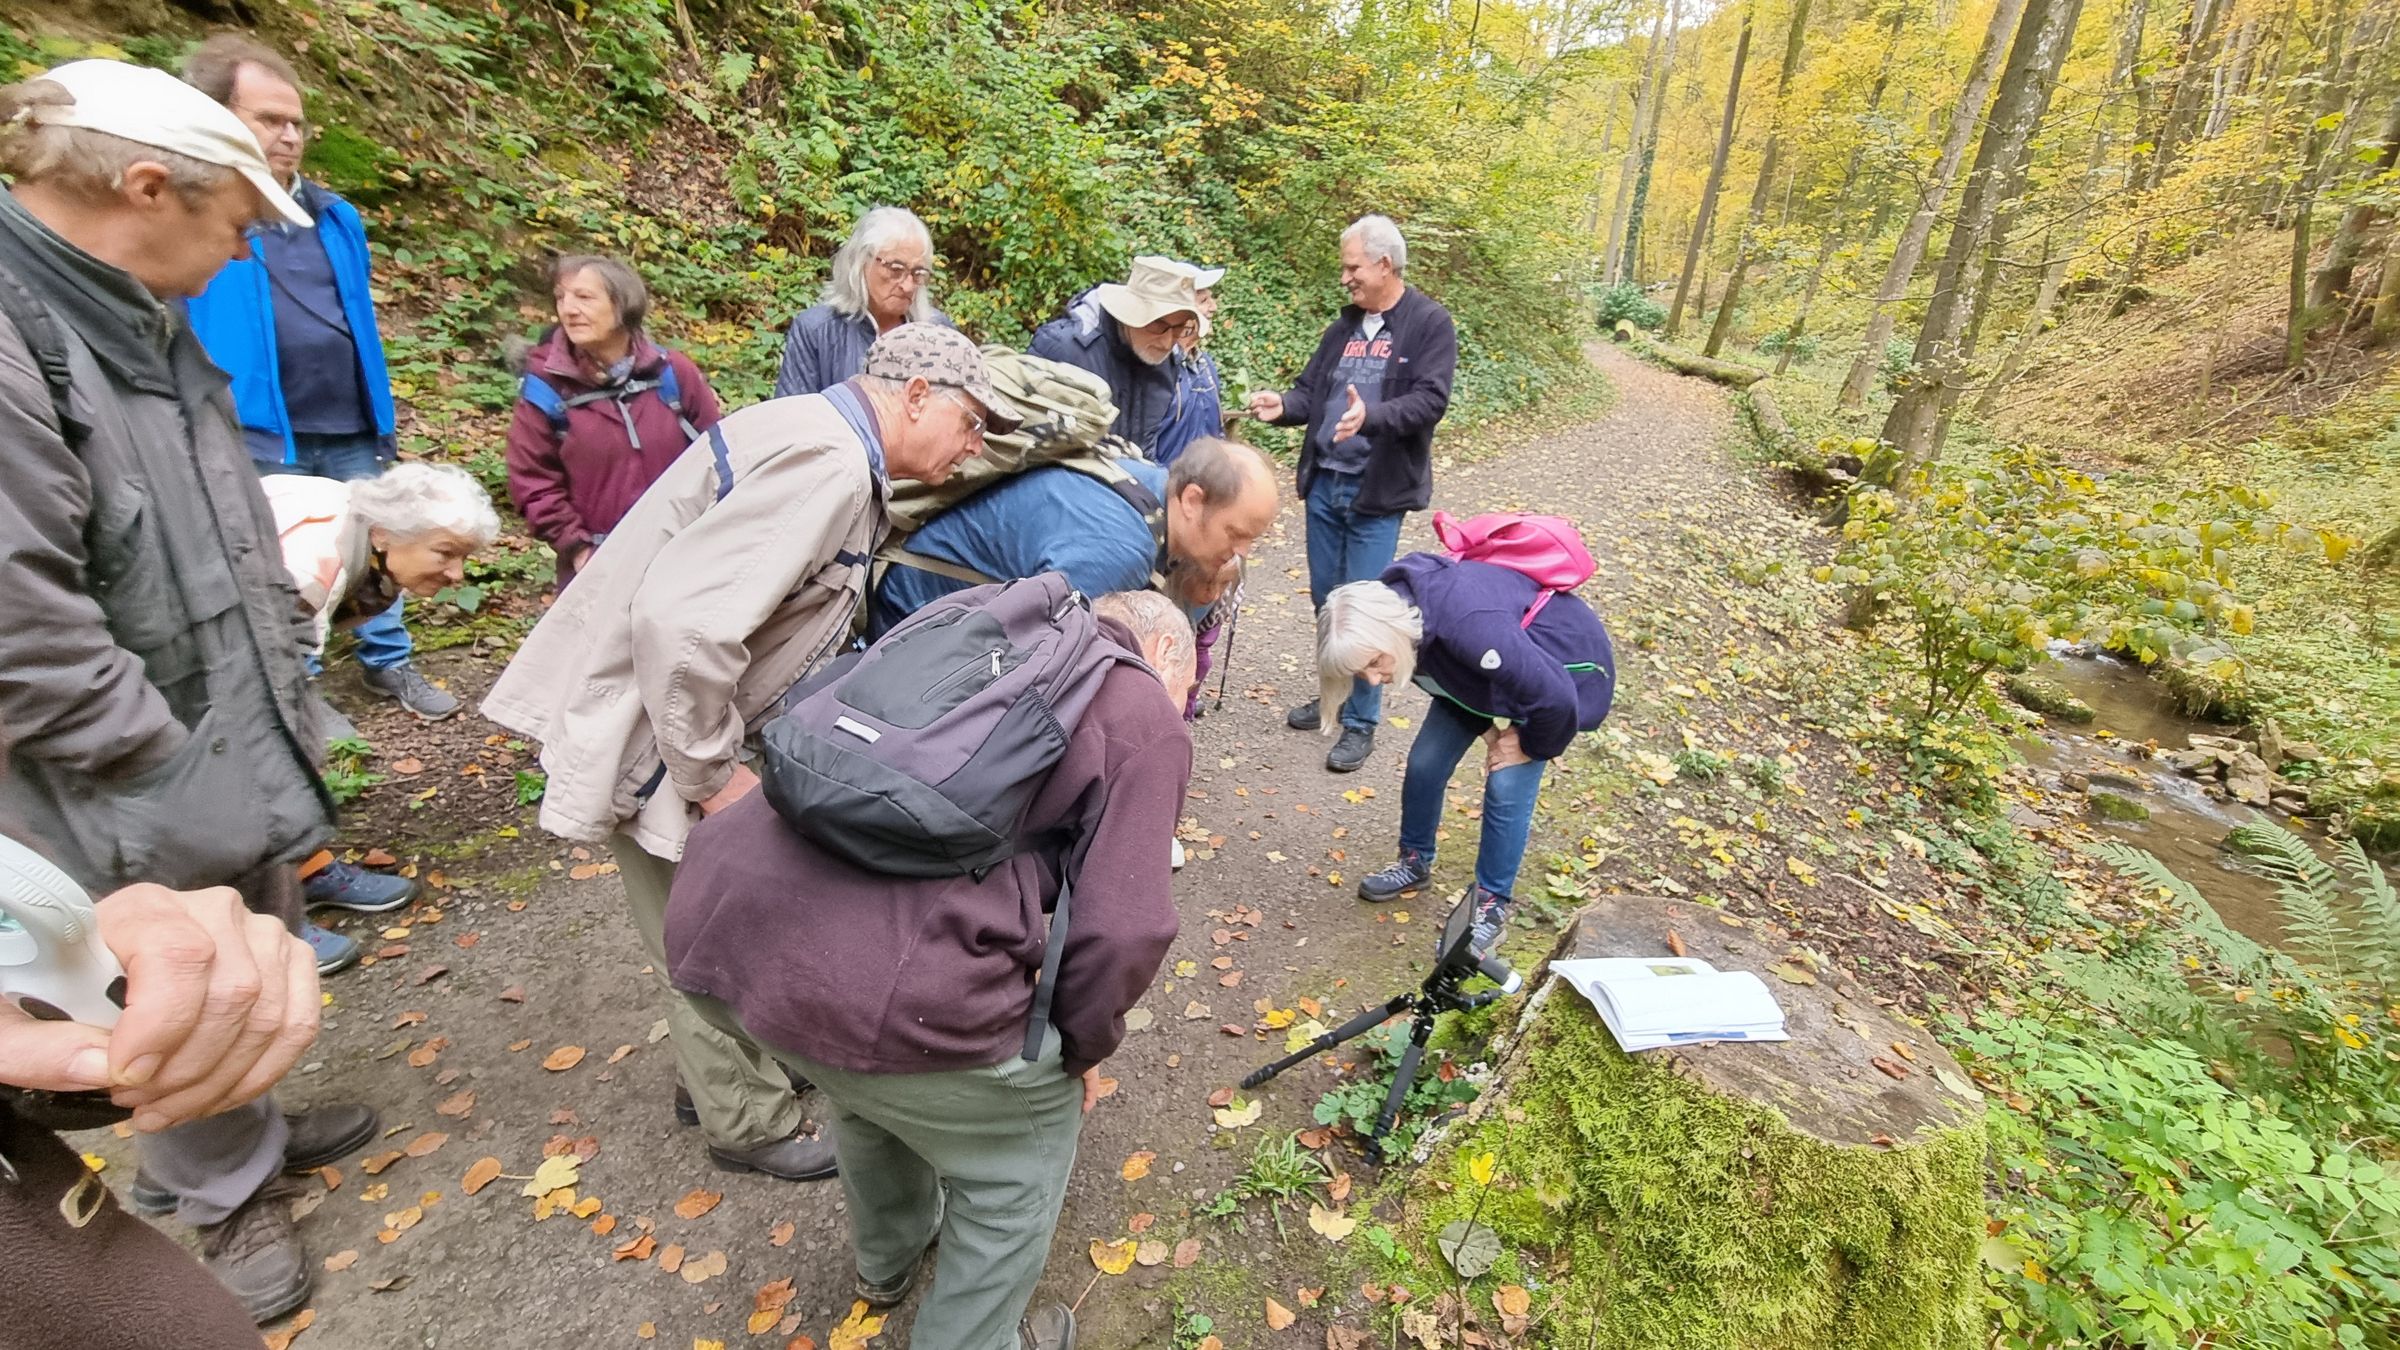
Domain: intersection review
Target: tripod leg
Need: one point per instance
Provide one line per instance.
(1403, 1080)
(1357, 1026)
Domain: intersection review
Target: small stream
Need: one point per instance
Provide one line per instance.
(2187, 824)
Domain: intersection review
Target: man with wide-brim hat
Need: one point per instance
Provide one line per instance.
(1127, 337)
(151, 684)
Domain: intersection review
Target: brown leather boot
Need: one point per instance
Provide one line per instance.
(256, 1254)
(806, 1156)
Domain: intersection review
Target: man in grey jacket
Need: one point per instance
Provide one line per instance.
(150, 674)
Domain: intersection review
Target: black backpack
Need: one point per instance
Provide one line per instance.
(919, 756)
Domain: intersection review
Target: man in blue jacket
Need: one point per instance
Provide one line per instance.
(294, 325)
(1371, 396)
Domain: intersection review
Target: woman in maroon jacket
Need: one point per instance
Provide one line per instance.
(601, 412)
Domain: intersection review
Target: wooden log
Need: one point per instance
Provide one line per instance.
(1794, 1193)
(1625, 331)
(1766, 418)
(1706, 367)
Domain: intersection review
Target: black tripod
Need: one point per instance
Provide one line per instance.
(1439, 994)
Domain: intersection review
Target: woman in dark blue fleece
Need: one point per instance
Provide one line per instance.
(1522, 673)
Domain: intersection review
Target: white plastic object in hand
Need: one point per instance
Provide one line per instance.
(52, 962)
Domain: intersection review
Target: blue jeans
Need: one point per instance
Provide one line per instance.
(1443, 739)
(1346, 546)
(383, 641)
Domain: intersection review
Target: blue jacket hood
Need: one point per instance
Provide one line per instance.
(1552, 679)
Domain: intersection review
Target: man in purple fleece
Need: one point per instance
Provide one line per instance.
(905, 999)
(1521, 669)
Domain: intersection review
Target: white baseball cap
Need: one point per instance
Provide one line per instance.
(150, 107)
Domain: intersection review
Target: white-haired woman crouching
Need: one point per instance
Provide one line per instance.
(352, 548)
(881, 278)
(1522, 674)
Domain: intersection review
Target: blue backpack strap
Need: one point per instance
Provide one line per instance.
(537, 391)
(670, 390)
(724, 454)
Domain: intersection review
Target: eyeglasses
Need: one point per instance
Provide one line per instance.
(966, 404)
(896, 269)
(276, 124)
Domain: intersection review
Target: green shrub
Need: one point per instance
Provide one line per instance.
(1804, 347)
(1994, 561)
(1626, 300)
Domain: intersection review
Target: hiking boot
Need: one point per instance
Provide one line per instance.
(1304, 718)
(334, 952)
(687, 1114)
(411, 690)
(1351, 749)
(894, 1291)
(805, 1156)
(256, 1254)
(1491, 919)
(1412, 871)
(341, 885)
(1049, 1327)
(316, 1138)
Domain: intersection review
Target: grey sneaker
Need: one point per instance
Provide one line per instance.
(406, 685)
(1412, 871)
(256, 1254)
(1304, 718)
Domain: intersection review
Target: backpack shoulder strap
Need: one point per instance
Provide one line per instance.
(537, 391)
(34, 324)
(670, 392)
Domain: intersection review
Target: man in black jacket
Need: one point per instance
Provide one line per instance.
(1371, 396)
(1125, 338)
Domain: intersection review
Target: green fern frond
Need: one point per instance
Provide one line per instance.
(2306, 890)
(2248, 962)
(2379, 912)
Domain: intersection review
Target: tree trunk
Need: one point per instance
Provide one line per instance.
(1631, 259)
(1646, 95)
(2297, 319)
(1716, 176)
(1792, 41)
(2198, 54)
(1838, 231)
(2386, 324)
(2017, 110)
(2233, 79)
(1919, 231)
(2332, 283)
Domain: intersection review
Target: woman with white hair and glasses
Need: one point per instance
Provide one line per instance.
(352, 549)
(1522, 669)
(881, 278)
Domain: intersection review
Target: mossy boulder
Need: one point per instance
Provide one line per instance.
(2116, 806)
(2029, 690)
(1728, 1197)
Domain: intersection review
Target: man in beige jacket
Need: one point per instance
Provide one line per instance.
(735, 574)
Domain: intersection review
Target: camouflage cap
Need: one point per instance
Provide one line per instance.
(941, 356)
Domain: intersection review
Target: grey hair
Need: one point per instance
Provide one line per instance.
(79, 161)
(846, 284)
(1360, 622)
(1380, 238)
(1220, 467)
(626, 289)
(410, 501)
(1153, 617)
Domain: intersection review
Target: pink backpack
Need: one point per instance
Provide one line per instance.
(1545, 548)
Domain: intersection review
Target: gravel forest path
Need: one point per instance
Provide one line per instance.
(453, 1030)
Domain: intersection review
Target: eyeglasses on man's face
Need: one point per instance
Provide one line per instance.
(966, 404)
(276, 124)
(898, 271)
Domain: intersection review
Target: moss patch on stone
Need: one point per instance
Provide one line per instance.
(1678, 1219)
(2114, 806)
(2028, 690)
